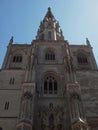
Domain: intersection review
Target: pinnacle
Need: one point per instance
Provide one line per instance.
(49, 13)
(49, 9)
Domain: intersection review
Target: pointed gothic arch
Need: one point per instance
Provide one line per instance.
(17, 58)
(50, 83)
(82, 57)
(50, 54)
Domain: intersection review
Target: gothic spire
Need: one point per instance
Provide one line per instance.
(49, 28)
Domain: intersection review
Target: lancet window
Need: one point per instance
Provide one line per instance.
(82, 58)
(17, 58)
(12, 80)
(50, 55)
(6, 106)
(50, 85)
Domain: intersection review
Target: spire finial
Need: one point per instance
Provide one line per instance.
(49, 8)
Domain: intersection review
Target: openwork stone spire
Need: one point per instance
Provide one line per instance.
(49, 28)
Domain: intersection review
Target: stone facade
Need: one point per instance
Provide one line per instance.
(49, 84)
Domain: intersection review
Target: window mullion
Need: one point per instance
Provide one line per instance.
(47, 86)
(53, 87)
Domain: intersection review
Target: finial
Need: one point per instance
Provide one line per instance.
(11, 40)
(49, 8)
(88, 42)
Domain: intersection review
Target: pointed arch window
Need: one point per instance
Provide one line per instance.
(50, 55)
(17, 58)
(82, 59)
(50, 85)
(6, 106)
(12, 80)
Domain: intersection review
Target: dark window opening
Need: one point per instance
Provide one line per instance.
(82, 59)
(17, 58)
(6, 106)
(50, 85)
(12, 80)
(50, 55)
(45, 86)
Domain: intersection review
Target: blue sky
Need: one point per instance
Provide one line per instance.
(21, 18)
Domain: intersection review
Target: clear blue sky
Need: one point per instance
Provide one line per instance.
(21, 18)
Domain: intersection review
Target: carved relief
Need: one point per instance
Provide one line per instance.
(52, 117)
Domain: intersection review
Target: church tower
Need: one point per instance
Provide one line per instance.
(59, 103)
(47, 83)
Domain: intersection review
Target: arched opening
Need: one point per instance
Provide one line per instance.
(50, 55)
(50, 85)
(17, 58)
(82, 58)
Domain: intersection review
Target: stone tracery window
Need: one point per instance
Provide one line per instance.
(6, 106)
(50, 85)
(17, 58)
(82, 58)
(50, 55)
